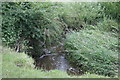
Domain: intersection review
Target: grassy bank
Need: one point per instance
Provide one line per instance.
(93, 51)
(20, 65)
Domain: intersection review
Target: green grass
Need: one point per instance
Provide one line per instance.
(95, 50)
(20, 65)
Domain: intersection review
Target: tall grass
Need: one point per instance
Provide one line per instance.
(93, 51)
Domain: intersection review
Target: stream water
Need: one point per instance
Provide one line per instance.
(53, 61)
(50, 61)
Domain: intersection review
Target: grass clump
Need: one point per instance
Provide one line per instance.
(93, 51)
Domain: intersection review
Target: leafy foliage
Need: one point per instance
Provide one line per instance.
(23, 21)
(93, 51)
(27, 22)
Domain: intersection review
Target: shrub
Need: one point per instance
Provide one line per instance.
(31, 26)
(92, 51)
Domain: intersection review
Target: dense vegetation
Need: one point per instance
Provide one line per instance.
(25, 24)
(89, 32)
(93, 51)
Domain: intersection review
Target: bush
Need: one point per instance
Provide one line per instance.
(93, 51)
(33, 27)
